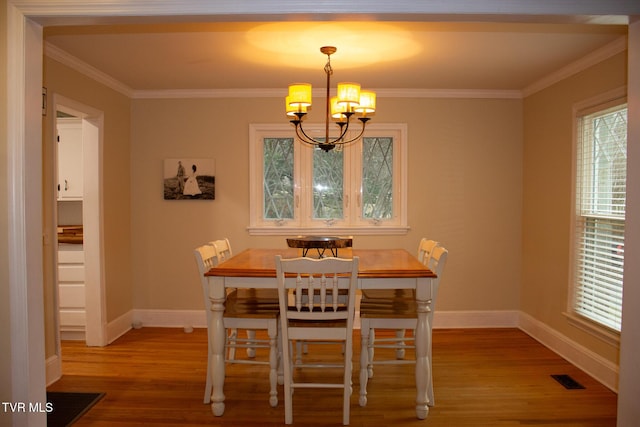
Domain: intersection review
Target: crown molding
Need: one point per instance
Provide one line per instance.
(277, 93)
(90, 71)
(208, 93)
(617, 46)
(449, 93)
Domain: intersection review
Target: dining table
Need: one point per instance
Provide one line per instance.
(378, 269)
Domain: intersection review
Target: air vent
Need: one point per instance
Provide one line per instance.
(567, 382)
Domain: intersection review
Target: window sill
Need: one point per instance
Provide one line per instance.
(603, 333)
(340, 231)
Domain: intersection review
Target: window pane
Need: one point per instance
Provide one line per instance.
(601, 192)
(278, 178)
(377, 178)
(328, 170)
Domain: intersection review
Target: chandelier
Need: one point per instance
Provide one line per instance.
(349, 101)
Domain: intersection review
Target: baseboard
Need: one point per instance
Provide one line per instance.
(53, 369)
(475, 319)
(442, 319)
(598, 367)
(72, 335)
(170, 318)
(119, 327)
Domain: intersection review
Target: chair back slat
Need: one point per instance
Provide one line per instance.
(425, 251)
(223, 249)
(315, 284)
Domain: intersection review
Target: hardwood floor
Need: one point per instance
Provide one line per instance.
(482, 377)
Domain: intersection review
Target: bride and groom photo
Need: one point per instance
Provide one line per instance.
(189, 179)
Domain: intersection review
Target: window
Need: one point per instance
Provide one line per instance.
(601, 165)
(299, 189)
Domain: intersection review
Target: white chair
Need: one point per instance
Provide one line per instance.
(223, 253)
(397, 312)
(425, 249)
(245, 309)
(316, 313)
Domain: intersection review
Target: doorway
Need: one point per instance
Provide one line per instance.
(80, 284)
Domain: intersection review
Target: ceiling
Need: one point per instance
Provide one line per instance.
(379, 55)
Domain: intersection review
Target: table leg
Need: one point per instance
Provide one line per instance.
(217, 336)
(423, 364)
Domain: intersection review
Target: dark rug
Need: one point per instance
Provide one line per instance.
(66, 408)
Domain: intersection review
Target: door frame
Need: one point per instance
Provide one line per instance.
(92, 220)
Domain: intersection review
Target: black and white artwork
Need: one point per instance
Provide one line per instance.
(188, 179)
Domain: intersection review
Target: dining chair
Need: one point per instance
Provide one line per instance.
(224, 252)
(425, 250)
(311, 310)
(252, 309)
(397, 312)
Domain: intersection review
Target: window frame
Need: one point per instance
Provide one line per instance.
(302, 223)
(616, 97)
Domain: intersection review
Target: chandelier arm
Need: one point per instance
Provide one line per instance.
(302, 135)
(364, 124)
(343, 131)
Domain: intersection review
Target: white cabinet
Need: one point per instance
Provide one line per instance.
(71, 291)
(70, 171)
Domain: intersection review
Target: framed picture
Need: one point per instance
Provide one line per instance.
(189, 179)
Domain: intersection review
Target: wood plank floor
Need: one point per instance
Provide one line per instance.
(482, 377)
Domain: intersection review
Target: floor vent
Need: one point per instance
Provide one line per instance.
(567, 382)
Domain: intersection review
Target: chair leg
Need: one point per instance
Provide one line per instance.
(364, 362)
(208, 388)
(233, 336)
(370, 351)
(251, 336)
(346, 393)
(400, 351)
(280, 357)
(273, 367)
(288, 375)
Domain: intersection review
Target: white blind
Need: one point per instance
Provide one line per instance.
(601, 201)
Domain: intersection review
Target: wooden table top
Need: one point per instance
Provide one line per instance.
(374, 263)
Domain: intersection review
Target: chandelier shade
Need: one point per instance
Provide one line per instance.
(349, 101)
(300, 95)
(367, 102)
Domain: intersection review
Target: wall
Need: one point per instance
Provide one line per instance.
(548, 198)
(465, 180)
(62, 80)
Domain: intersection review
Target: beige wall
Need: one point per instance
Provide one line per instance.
(465, 190)
(116, 176)
(548, 199)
